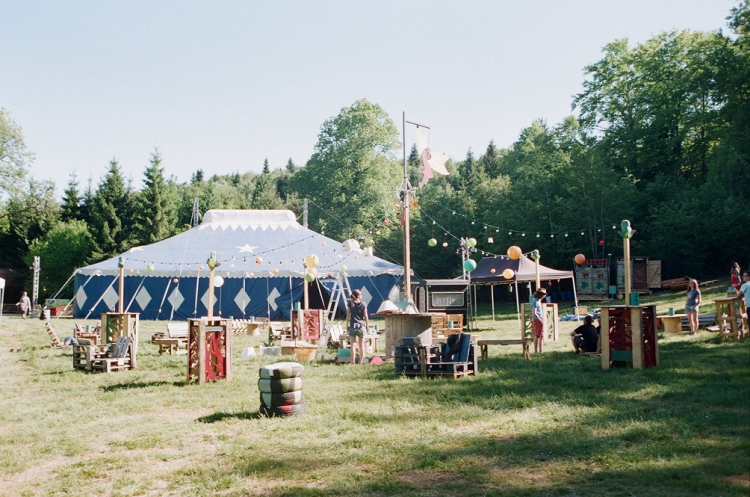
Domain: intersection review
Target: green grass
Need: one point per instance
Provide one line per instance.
(555, 425)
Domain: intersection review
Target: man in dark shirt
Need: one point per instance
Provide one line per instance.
(585, 337)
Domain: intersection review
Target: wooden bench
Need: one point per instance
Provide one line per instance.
(117, 357)
(484, 344)
(174, 340)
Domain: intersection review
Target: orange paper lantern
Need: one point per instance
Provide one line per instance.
(514, 252)
(580, 259)
(508, 274)
(493, 270)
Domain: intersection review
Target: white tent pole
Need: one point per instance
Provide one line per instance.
(575, 297)
(100, 298)
(518, 306)
(197, 280)
(492, 292)
(163, 298)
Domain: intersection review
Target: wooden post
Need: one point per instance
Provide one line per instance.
(121, 300)
(536, 264)
(605, 338)
(636, 336)
(626, 267)
(306, 305)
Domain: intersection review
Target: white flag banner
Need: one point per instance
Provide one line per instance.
(432, 162)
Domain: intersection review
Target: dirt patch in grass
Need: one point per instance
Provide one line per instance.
(740, 480)
(426, 479)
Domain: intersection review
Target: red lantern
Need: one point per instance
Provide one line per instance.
(580, 259)
(601, 242)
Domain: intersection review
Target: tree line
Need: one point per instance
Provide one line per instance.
(660, 136)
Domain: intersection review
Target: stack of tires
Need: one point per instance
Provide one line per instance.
(280, 388)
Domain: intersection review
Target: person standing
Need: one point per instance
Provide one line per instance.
(745, 290)
(585, 336)
(537, 319)
(24, 304)
(692, 304)
(735, 280)
(357, 322)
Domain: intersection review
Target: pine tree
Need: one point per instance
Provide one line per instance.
(111, 213)
(491, 161)
(291, 167)
(71, 206)
(154, 223)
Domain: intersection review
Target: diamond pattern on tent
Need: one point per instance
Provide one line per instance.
(393, 295)
(204, 299)
(176, 299)
(80, 297)
(242, 299)
(272, 299)
(110, 298)
(366, 296)
(143, 298)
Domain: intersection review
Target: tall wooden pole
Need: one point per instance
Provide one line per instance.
(405, 217)
(121, 300)
(212, 265)
(626, 263)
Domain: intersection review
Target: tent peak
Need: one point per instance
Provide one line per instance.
(236, 217)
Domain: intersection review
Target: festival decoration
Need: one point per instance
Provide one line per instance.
(470, 265)
(350, 245)
(309, 277)
(580, 258)
(508, 274)
(175, 281)
(275, 271)
(218, 281)
(311, 260)
(445, 244)
(258, 259)
(431, 242)
(493, 270)
(150, 268)
(514, 252)
(342, 268)
(471, 242)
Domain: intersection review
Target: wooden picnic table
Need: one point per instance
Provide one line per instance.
(484, 343)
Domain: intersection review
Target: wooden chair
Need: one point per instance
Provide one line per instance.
(116, 357)
(452, 364)
(175, 339)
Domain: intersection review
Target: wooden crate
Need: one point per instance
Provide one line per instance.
(115, 325)
(629, 335)
(307, 324)
(209, 349)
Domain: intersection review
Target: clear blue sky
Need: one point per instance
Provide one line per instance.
(220, 85)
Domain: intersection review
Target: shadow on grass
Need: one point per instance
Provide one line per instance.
(222, 416)
(138, 384)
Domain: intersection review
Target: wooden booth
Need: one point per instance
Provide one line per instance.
(407, 325)
(629, 335)
(592, 279)
(209, 349)
(645, 274)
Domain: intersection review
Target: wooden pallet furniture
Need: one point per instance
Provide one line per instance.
(174, 340)
(729, 317)
(673, 323)
(483, 345)
(111, 357)
(629, 336)
(407, 355)
(121, 324)
(439, 328)
(452, 362)
(86, 350)
(209, 349)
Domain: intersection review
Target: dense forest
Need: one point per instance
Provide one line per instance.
(660, 135)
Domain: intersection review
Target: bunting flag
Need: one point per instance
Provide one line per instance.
(432, 162)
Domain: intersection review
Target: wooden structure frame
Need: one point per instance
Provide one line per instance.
(209, 349)
(484, 343)
(307, 324)
(429, 361)
(174, 340)
(628, 334)
(729, 317)
(550, 320)
(121, 324)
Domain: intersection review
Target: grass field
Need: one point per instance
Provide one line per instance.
(555, 425)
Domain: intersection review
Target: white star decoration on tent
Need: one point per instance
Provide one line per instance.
(247, 248)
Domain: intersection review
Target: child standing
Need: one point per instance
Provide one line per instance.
(537, 319)
(692, 304)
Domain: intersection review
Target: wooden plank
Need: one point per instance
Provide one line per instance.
(636, 336)
(604, 338)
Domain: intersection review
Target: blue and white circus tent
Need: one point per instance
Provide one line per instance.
(261, 256)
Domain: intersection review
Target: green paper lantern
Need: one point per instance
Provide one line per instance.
(432, 242)
(309, 277)
(472, 242)
(470, 265)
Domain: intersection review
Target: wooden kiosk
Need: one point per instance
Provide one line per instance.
(121, 324)
(209, 340)
(629, 332)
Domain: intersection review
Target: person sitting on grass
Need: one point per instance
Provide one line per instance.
(584, 337)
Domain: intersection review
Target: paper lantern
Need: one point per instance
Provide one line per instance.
(150, 268)
(493, 270)
(258, 259)
(249, 274)
(580, 259)
(431, 242)
(275, 271)
(514, 252)
(322, 244)
(218, 281)
(601, 242)
(490, 240)
(445, 244)
(508, 274)
(470, 265)
(311, 260)
(309, 277)
(130, 271)
(471, 242)
(342, 268)
(175, 281)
